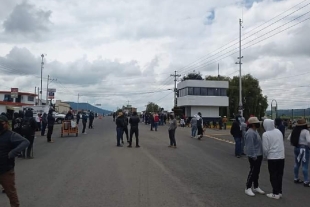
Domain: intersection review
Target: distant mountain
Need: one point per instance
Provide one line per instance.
(87, 106)
(290, 112)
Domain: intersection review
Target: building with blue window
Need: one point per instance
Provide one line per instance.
(203, 96)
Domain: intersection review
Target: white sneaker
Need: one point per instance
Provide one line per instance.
(84, 133)
(280, 194)
(249, 192)
(258, 190)
(271, 195)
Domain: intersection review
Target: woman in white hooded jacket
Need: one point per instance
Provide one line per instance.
(273, 149)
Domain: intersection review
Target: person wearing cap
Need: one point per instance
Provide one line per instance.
(11, 144)
(300, 139)
(254, 152)
(273, 148)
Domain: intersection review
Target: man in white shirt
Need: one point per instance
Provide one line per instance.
(273, 149)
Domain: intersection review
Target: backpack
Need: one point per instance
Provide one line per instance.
(18, 124)
(26, 126)
(199, 122)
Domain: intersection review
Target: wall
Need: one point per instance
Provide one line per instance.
(203, 83)
(25, 100)
(203, 101)
(2, 109)
(206, 111)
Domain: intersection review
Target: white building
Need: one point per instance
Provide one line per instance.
(7, 104)
(202, 96)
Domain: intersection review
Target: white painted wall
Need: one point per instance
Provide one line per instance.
(203, 83)
(25, 100)
(203, 101)
(206, 111)
(1, 97)
(2, 109)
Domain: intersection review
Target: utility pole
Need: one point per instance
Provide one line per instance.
(48, 82)
(42, 63)
(218, 71)
(240, 63)
(38, 95)
(175, 75)
(77, 108)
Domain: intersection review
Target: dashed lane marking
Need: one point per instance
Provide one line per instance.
(220, 139)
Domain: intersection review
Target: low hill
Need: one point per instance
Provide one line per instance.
(87, 106)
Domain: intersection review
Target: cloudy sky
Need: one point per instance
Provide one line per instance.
(114, 51)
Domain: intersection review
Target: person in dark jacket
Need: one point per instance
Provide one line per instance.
(91, 120)
(151, 121)
(78, 117)
(17, 123)
(50, 125)
(84, 121)
(120, 123)
(11, 144)
(69, 116)
(44, 124)
(279, 125)
(29, 126)
(134, 128)
(236, 132)
(125, 130)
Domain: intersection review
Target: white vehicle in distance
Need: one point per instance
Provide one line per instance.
(59, 118)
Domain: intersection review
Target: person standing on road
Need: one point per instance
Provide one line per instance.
(134, 128)
(224, 122)
(29, 126)
(243, 127)
(199, 125)
(279, 125)
(172, 128)
(17, 123)
(78, 117)
(273, 148)
(120, 123)
(254, 151)
(84, 121)
(300, 139)
(44, 124)
(156, 121)
(69, 116)
(236, 132)
(125, 129)
(11, 144)
(91, 120)
(194, 126)
(50, 125)
(151, 121)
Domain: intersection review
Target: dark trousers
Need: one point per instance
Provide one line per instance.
(43, 128)
(30, 138)
(77, 121)
(7, 180)
(254, 172)
(119, 135)
(50, 129)
(90, 125)
(172, 137)
(134, 130)
(200, 131)
(276, 168)
(125, 130)
(38, 126)
(152, 125)
(84, 127)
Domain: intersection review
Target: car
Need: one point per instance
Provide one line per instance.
(59, 118)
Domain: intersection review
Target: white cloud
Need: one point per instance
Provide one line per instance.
(101, 48)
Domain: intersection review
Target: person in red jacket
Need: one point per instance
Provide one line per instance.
(156, 121)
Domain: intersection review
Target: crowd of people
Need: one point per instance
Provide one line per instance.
(265, 139)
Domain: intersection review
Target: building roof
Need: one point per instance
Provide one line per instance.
(19, 93)
(14, 104)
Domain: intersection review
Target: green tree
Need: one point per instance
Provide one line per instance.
(192, 76)
(152, 107)
(253, 100)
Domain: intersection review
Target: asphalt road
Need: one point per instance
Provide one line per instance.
(90, 171)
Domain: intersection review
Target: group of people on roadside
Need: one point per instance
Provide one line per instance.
(265, 139)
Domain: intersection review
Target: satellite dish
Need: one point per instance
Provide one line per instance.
(53, 101)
